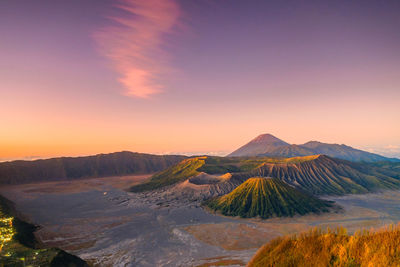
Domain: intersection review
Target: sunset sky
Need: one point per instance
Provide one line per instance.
(80, 77)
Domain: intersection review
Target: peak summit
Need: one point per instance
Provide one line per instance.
(259, 145)
(267, 138)
(267, 145)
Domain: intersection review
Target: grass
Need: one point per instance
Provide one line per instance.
(177, 173)
(222, 263)
(219, 165)
(332, 248)
(267, 197)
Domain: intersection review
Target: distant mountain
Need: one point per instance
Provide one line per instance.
(262, 144)
(269, 146)
(267, 197)
(344, 152)
(102, 165)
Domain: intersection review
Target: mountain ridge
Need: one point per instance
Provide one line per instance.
(258, 145)
(323, 175)
(270, 147)
(100, 165)
(315, 174)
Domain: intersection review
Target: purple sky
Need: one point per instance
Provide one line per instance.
(81, 77)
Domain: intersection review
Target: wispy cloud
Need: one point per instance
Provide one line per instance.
(387, 150)
(134, 43)
(21, 158)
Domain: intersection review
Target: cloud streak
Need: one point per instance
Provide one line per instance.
(387, 151)
(133, 43)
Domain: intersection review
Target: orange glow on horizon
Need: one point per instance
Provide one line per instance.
(181, 76)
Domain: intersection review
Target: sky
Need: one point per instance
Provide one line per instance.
(81, 77)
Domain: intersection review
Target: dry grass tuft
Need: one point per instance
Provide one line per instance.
(333, 248)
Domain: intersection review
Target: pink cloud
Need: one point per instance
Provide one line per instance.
(133, 43)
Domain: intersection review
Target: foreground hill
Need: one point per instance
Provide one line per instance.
(265, 198)
(317, 248)
(316, 174)
(18, 244)
(102, 165)
(268, 145)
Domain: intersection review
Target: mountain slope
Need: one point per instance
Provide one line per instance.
(321, 175)
(102, 165)
(288, 151)
(260, 145)
(208, 166)
(343, 152)
(267, 145)
(316, 174)
(177, 173)
(192, 191)
(267, 197)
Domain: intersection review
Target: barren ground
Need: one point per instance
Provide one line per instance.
(99, 221)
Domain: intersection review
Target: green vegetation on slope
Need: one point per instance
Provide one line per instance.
(332, 248)
(267, 197)
(17, 244)
(323, 175)
(388, 168)
(211, 165)
(219, 165)
(316, 174)
(177, 173)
